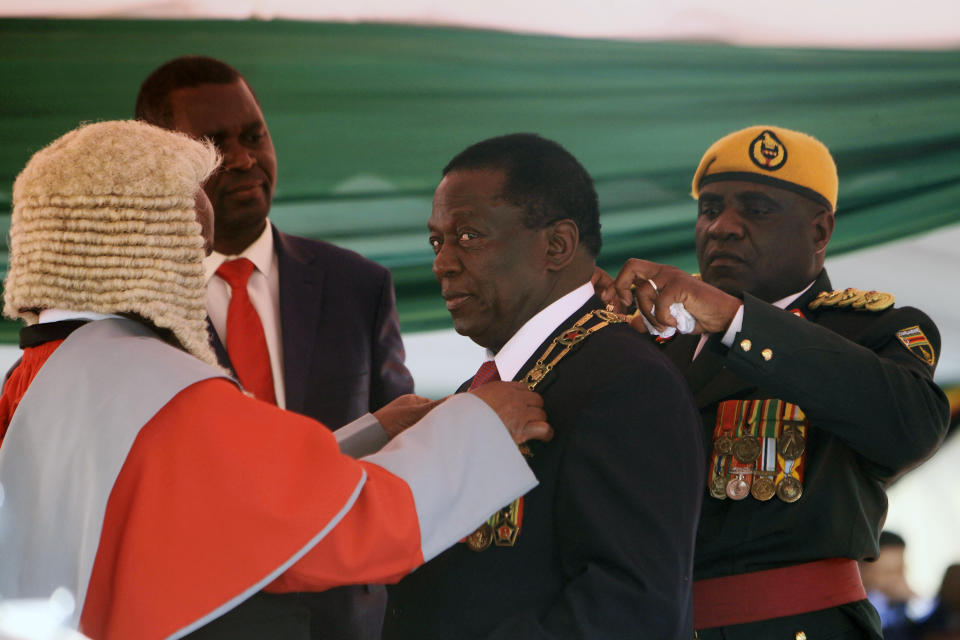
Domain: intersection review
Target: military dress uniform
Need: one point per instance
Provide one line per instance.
(808, 416)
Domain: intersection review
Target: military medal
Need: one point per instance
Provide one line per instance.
(481, 538)
(738, 488)
(506, 524)
(746, 448)
(790, 489)
(762, 488)
(791, 443)
(718, 487)
(723, 445)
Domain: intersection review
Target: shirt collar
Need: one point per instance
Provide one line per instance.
(260, 253)
(57, 315)
(518, 349)
(783, 303)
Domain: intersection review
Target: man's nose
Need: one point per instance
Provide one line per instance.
(445, 262)
(237, 157)
(728, 223)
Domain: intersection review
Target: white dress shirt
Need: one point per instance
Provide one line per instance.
(531, 335)
(264, 290)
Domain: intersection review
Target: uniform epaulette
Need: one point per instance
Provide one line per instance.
(853, 299)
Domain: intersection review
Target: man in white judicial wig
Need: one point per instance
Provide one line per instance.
(138, 476)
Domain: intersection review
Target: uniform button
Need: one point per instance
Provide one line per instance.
(746, 345)
(767, 354)
(800, 635)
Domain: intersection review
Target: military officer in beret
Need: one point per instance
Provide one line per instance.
(813, 399)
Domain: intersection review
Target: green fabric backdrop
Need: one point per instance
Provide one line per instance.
(364, 117)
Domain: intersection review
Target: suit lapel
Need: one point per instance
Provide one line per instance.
(219, 350)
(300, 308)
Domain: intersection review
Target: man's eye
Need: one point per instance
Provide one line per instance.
(467, 235)
(435, 244)
(709, 210)
(760, 209)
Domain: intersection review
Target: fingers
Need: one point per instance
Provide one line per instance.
(534, 430)
(600, 280)
(646, 296)
(403, 412)
(520, 410)
(636, 288)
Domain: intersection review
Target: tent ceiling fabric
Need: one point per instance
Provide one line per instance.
(364, 116)
(886, 24)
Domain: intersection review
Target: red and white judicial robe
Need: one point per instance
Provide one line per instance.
(162, 496)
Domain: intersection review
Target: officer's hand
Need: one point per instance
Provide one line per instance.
(520, 409)
(600, 280)
(657, 286)
(403, 412)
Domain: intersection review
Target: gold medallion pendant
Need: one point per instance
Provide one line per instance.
(481, 538)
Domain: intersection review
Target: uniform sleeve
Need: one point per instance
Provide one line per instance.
(629, 494)
(390, 377)
(872, 392)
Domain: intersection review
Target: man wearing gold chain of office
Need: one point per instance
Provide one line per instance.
(603, 549)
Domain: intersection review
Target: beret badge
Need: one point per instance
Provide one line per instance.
(767, 152)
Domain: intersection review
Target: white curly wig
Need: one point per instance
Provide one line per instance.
(104, 220)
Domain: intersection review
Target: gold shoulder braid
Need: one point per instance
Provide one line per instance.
(853, 299)
(503, 527)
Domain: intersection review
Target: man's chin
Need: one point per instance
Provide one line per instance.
(240, 214)
(733, 286)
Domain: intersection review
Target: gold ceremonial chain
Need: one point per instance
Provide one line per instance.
(502, 528)
(575, 334)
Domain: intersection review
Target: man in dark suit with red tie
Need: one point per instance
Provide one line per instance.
(307, 325)
(603, 548)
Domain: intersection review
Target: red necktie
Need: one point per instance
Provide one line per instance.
(246, 343)
(486, 373)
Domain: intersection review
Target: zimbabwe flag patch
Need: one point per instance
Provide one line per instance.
(914, 340)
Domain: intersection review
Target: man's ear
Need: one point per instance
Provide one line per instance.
(563, 240)
(823, 223)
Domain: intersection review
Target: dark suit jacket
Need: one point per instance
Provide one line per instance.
(874, 412)
(342, 357)
(605, 548)
(342, 351)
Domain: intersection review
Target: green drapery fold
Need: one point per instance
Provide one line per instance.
(365, 116)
